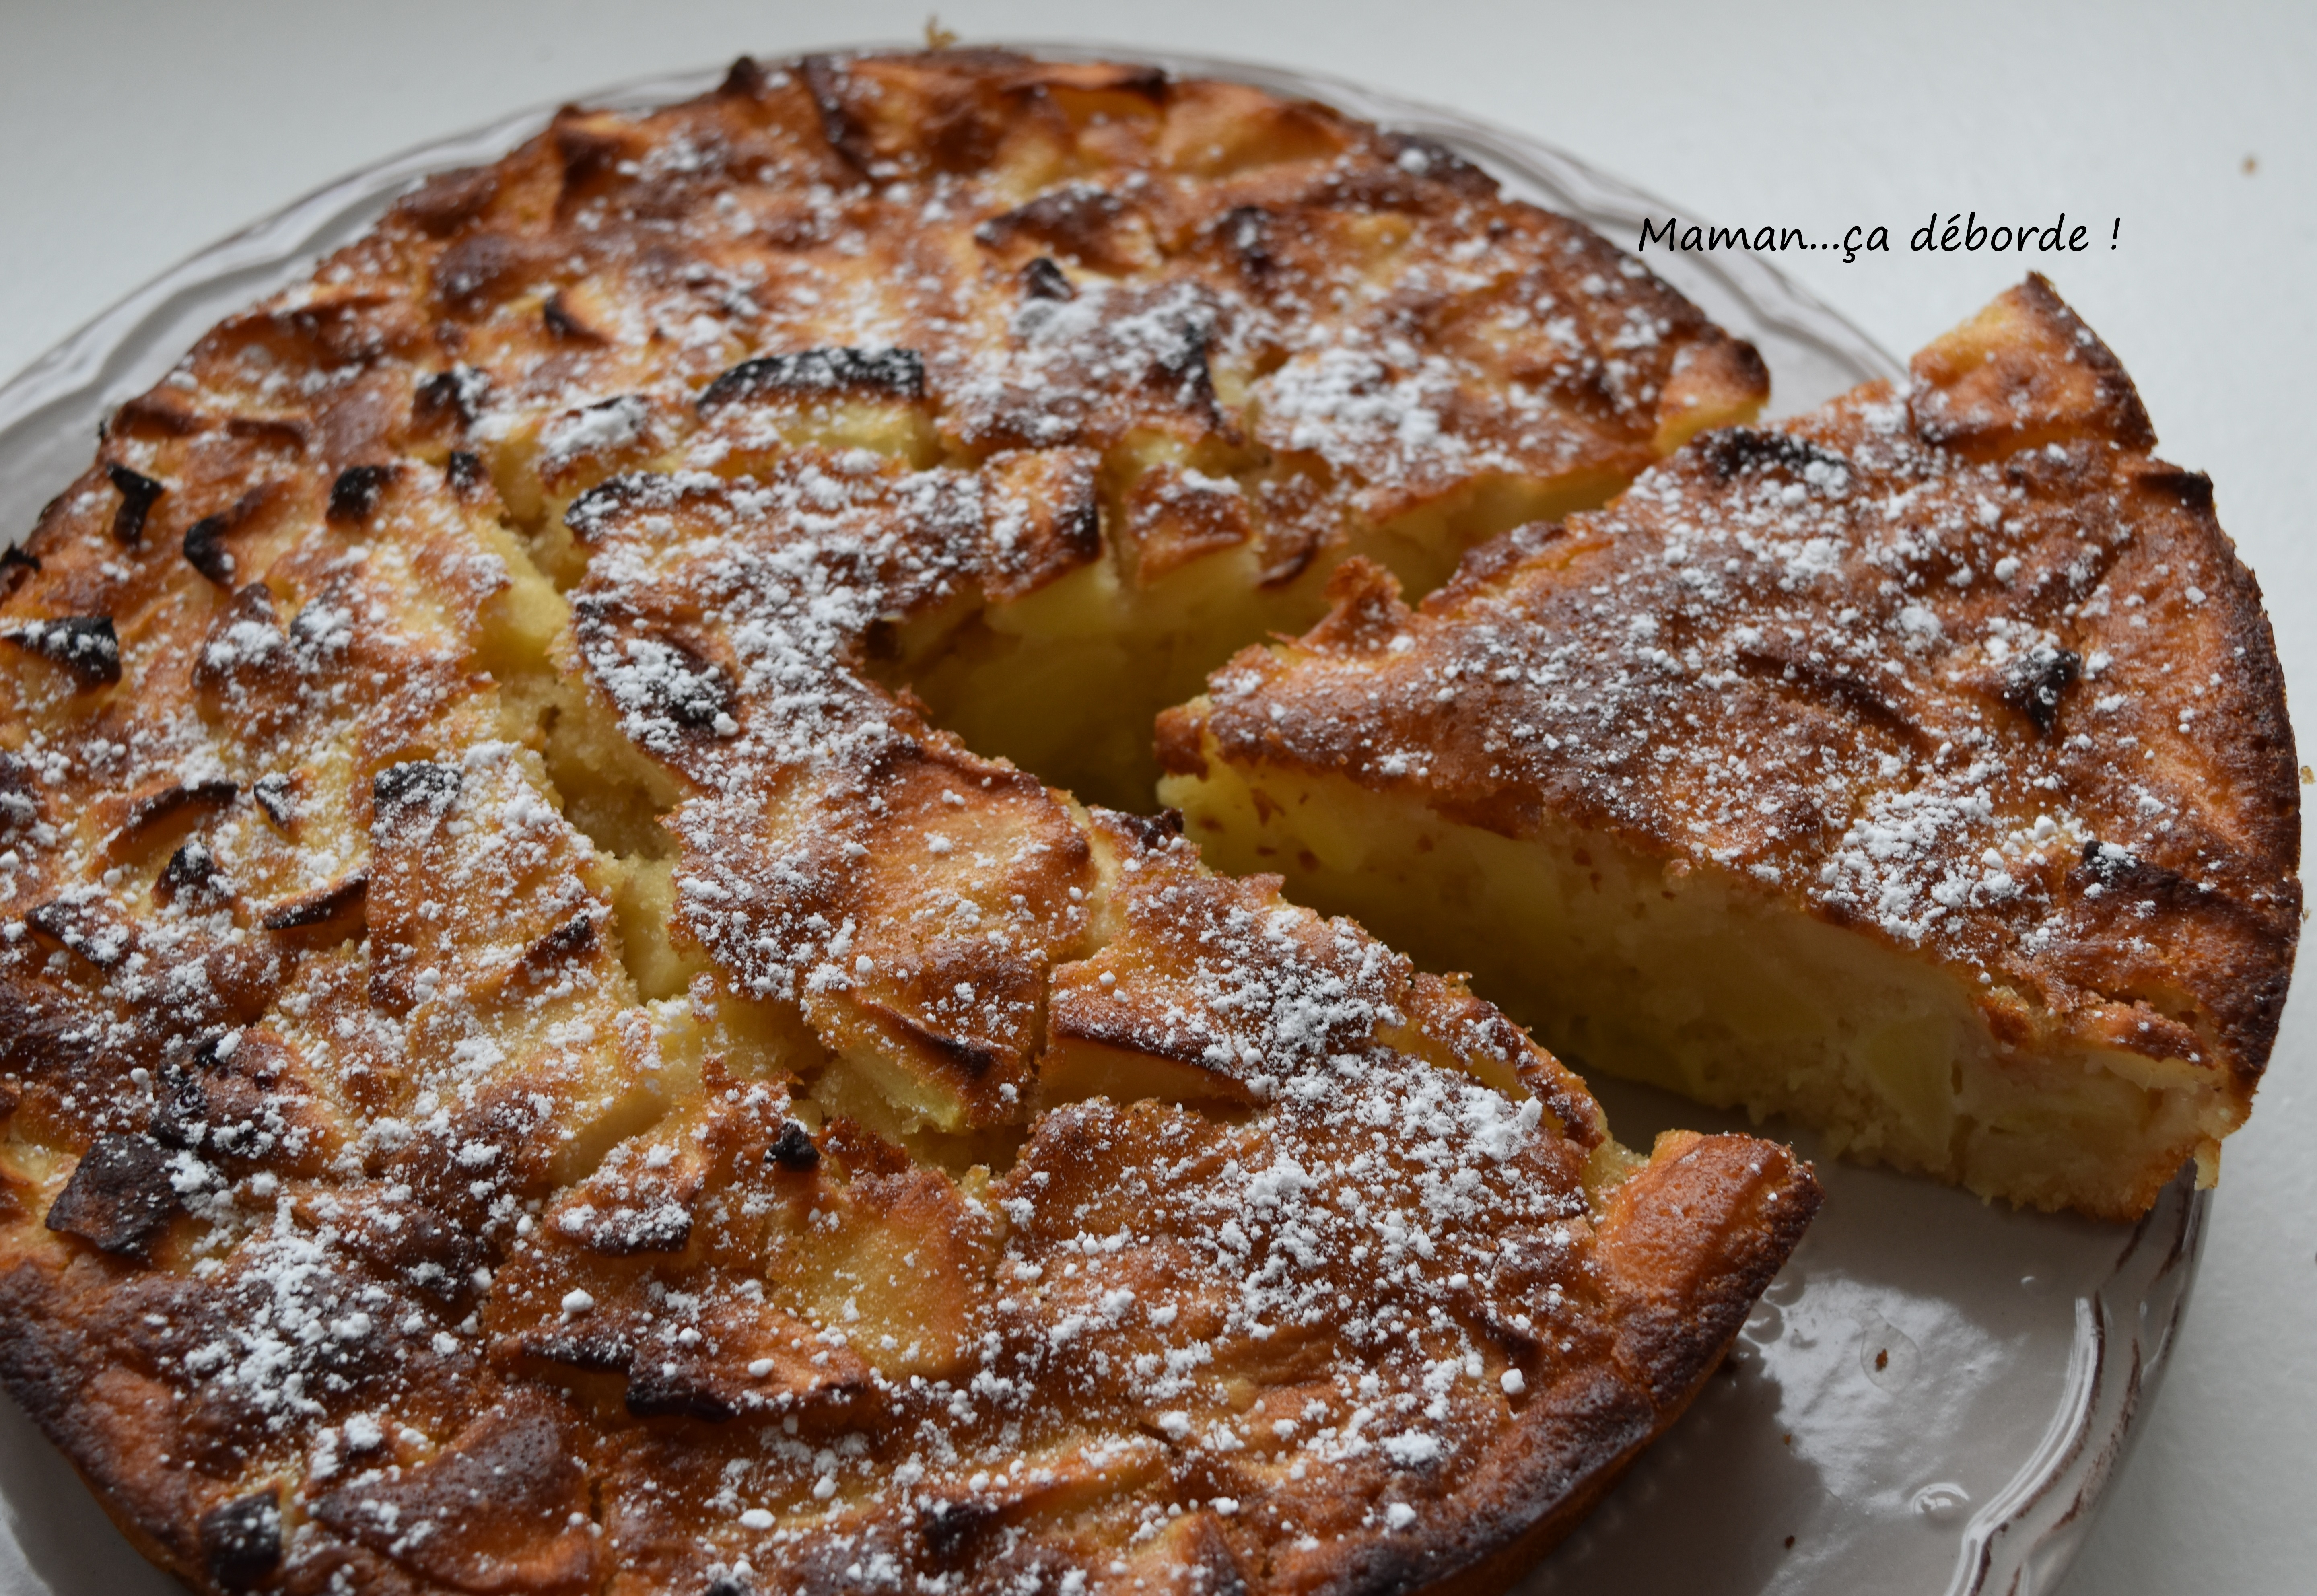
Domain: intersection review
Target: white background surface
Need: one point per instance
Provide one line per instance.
(134, 133)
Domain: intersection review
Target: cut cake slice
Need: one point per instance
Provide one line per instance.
(1917, 768)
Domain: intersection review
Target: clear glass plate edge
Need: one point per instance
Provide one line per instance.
(2021, 1542)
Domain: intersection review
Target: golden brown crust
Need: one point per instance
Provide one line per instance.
(1689, 1243)
(1957, 665)
(530, 1063)
(1706, 1223)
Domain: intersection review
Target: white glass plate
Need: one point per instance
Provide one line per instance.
(1930, 1398)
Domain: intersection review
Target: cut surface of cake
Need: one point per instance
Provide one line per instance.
(542, 1050)
(1917, 768)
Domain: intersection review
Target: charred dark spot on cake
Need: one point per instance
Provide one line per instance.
(655, 1390)
(454, 396)
(464, 472)
(576, 938)
(85, 645)
(327, 913)
(674, 679)
(746, 80)
(565, 321)
(119, 1198)
(86, 926)
(448, 200)
(820, 373)
(1077, 511)
(241, 1541)
(164, 814)
(154, 415)
(1156, 832)
(282, 432)
(17, 565)
(1041, 279)
(2035, 682)
(2108, 869)
(2194, 489)
(1079, 220)
(593, 510)
(2108, 863)
(193, 878)
(193, 875)
(969, 1056)
(595, 1352)
(179, 1107)
(205, 551)
(881, 640)
(20, 804)
(239, 1095)
(1111, 77)
(413, 788)
(1246, 230)
(356, 492)
(794, 1148)
(825, 79)
(138, 494)
(277, 796)
(1732, 451)
(950, 1528)
(1182, 362)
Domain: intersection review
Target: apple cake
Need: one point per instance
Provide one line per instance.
(560, 1031)
(1917, 768)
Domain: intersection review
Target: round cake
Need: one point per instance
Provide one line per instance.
(561, 1027)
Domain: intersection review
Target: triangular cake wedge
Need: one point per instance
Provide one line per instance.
(1917, 768)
